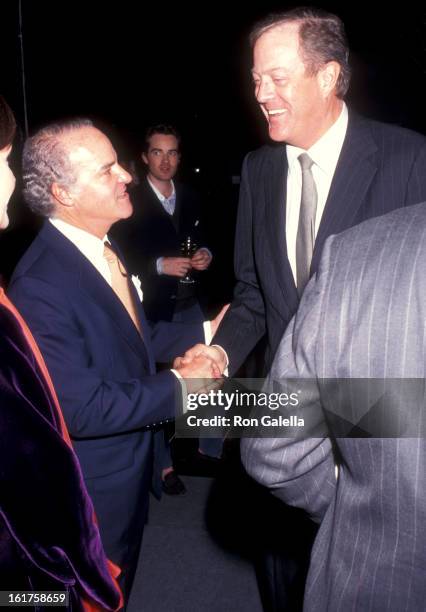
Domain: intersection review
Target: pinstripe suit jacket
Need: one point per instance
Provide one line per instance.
(362, 316)
(381, 167)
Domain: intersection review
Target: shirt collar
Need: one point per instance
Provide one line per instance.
(159, 195)
(91, 246)
(325, 152)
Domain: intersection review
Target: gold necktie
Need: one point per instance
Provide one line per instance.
(120, 284)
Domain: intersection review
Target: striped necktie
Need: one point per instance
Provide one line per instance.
(306, 228)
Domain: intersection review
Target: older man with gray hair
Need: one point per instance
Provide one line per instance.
(86, 314)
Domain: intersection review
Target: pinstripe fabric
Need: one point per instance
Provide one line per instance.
(362, 316)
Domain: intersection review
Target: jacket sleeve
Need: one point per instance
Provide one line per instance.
(95, 401)
(416, 187)
(244, 323)
(298, 468)
(170, 340)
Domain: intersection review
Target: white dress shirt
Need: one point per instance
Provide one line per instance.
(169, 204)
(88, 244)
(92, 248)
(325, 154)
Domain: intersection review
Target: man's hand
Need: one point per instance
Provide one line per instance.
(218, 318)
(199, 366)
(201, 259)
(176, 266)
(214, 353)
(200, 373)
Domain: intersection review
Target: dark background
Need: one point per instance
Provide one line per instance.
(130, 64)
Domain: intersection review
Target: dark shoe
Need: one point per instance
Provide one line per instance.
(172, 484)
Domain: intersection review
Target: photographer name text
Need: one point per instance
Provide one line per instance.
(238, 421)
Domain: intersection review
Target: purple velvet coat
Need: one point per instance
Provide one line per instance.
(48, 537)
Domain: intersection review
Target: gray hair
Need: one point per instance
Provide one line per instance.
(322, 39)
(45, 161)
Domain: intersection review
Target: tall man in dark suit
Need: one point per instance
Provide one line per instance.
(362, 318)
(328, 170)
(85, 312)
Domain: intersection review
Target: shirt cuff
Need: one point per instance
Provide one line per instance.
(208, 337)
(207, 326)
(208, 251)
(183, 389)
(159, 265)
(226, 370)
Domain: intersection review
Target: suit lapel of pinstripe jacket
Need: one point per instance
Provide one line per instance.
(354, 172)
(275, 197)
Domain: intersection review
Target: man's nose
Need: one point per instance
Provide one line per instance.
(264, 90)
(123, 175)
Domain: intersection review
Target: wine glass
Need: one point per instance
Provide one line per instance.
(187, 249)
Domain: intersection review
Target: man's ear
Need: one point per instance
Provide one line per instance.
(61, 195)
(144, 158)
(328, 76)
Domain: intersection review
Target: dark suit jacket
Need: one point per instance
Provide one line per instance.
(380, 168)
(151, 233)
(104, 374)
(361, 323)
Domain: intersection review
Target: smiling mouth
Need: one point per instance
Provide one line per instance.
(277, 111)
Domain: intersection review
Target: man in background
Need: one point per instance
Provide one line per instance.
(87, 317)
(166, 213)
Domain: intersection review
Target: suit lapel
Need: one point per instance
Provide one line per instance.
(178, 209)
(88, 281)
(354, 172)
(275, 204)
(145, 327)
(97, 289)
